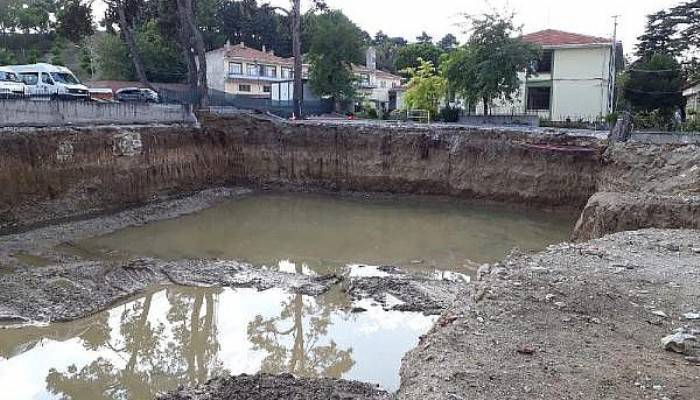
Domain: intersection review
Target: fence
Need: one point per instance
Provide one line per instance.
(217, 98)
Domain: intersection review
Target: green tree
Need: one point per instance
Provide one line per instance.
(424, 38)
(59, 46)
(487, 67)
(655, 84)
(33, 56)
(425, 89)
(6, 57)
(409, 56)
(74, 20)
(161, 59)
(448, 43)
(387, 50)
(112, 58)
(334, 45)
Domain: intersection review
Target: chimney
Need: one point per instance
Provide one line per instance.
(243, 45)
(371, 62)
(272, 52)
(264, 49)
(227, 46)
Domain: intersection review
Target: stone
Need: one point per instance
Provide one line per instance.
(660, 314)
(678, 342)
(691, 316)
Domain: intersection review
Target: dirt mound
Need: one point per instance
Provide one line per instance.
(574, 322)
(278, 387)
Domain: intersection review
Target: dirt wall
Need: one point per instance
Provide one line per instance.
(65, 173)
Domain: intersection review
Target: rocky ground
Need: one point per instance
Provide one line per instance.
(583, 321)
(268, 387)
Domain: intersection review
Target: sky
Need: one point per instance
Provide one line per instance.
(408, 18)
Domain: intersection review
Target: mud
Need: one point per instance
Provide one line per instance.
(267, 387)
(577, 321)
(72, 291)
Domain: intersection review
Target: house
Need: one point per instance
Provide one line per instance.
(572, 80)
(245, 71)
(374, 85)
(692, 96)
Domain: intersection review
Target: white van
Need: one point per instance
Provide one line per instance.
(10, 85)
(51, 81)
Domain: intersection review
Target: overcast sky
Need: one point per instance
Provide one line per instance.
(408, 18)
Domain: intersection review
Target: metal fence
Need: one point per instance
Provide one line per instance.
(217, 98)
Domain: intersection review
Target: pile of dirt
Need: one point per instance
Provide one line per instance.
(577, 321)
(278, 387)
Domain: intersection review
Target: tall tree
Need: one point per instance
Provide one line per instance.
(335, 44)
(425, 89)
(448, 43)
(409, 56)
(424, 38)
(655, 83)
(126, 12)
(196, 42)
(74, 20)
(387, 50)
(487, 67)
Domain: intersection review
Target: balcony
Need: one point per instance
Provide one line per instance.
(257, 78)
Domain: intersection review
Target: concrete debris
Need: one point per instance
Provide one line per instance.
(678, 342)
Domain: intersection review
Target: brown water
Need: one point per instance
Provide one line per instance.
(327, 232)
(182, 336)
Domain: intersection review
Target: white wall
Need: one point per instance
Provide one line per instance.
(580, 83)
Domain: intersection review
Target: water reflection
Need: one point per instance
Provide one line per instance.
(181, 336)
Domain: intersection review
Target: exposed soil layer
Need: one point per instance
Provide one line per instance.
(644, 185)
(49, 175)
(576, 321)
(269, 387)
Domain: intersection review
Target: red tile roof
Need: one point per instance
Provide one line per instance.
(551, 37)
(248, 53)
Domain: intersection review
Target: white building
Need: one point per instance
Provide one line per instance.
(572, 80)
(375, 85)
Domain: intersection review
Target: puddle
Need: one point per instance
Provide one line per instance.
(179, 336)
(325, 233)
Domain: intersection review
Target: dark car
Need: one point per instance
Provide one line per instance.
(136, 95)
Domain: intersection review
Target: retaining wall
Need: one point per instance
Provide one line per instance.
(17, 113)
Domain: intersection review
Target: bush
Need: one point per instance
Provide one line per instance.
(449, 114)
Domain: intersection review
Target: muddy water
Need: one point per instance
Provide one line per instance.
(325, 232)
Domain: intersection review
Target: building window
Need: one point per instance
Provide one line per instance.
(544, 65)
(235, 68)
(244, 88)
(287, 73)
(539, 98)
(267, 89)
(269, 71)
(253, 70)
(382, 84)
(364, 79)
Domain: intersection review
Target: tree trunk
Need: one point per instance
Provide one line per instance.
(187, 18)
(131, 44)
(185, 39)
(486, 106)
(296, 47)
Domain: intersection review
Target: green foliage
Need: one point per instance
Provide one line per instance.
(333, 46)
(74, 20)
(425, 89)
(653, 86)
(449, 114)
(161, 58)
(424, 38)
(387, 50)
(112, 58)
(87, 64)
(487, 67)
(448, 43)
(33, 56)
(673, 32)
(6, 57)
(409, 56)
(59, 46)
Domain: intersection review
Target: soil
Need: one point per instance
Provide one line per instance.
(577, 321)
(269, 387)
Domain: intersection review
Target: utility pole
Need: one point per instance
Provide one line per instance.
(613, 68)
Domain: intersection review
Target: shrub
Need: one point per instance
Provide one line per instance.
(449, 114)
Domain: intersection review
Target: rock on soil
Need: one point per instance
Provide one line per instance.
(583, 321)
(279, 387)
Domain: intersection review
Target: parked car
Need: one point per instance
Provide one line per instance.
(51, 81)
(136, 95)
(10, 85)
